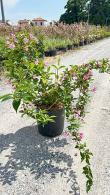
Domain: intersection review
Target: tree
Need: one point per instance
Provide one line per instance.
(100, 12)
(94, 11)
(75, 11)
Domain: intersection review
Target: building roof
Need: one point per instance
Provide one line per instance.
(39, 19)
(23, 21)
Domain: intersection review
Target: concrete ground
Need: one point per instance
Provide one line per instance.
(34, 165)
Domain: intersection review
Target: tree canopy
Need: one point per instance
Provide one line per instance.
(94, 11)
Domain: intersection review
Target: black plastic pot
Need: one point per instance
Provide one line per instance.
(86, 42)
(76, 45)
(81, 43)
(53, 129)
(63, 49)
(51, 53)
(70, 47)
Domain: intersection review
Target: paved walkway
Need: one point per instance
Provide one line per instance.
(33, 165)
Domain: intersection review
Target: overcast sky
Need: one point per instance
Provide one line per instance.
(29, 9)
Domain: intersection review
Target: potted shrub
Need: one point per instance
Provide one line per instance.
(81, 43)
(63, 45)
(50, 49)
(69, 45)
(56, 127)
(85, 41)
(46, 93)
(76, 42)
(50, 53)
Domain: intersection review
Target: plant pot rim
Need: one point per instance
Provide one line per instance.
(49, 108)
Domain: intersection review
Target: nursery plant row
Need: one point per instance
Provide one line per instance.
(60, 37)
(63, 37)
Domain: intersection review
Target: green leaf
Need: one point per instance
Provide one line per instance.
(61, 67)
(16, 104)
(6, 97)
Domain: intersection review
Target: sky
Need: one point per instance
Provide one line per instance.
(29, 9)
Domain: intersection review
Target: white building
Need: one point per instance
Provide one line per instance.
(39, 21)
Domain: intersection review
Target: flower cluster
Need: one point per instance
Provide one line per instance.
(87, 75)
(22, 49)
(26, 40)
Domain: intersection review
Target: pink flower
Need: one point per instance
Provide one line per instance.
(78, 113)
(87, 75)
(81, 135)
(66, 134)
(94, 89)
(11, 46)
(90, 73)
(26, 40)
(46, 64)
(12, 34)
(32, 36)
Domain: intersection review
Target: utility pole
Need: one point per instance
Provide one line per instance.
(88, 13)
(106, 23)
(2, 11)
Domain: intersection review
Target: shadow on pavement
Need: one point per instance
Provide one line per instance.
(35, 152)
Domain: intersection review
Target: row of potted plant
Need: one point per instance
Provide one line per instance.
(52, 47)
(47, 93)
(65, 37)
(62, 37)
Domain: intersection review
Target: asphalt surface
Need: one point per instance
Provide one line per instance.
(34, 165)
(97, 50)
